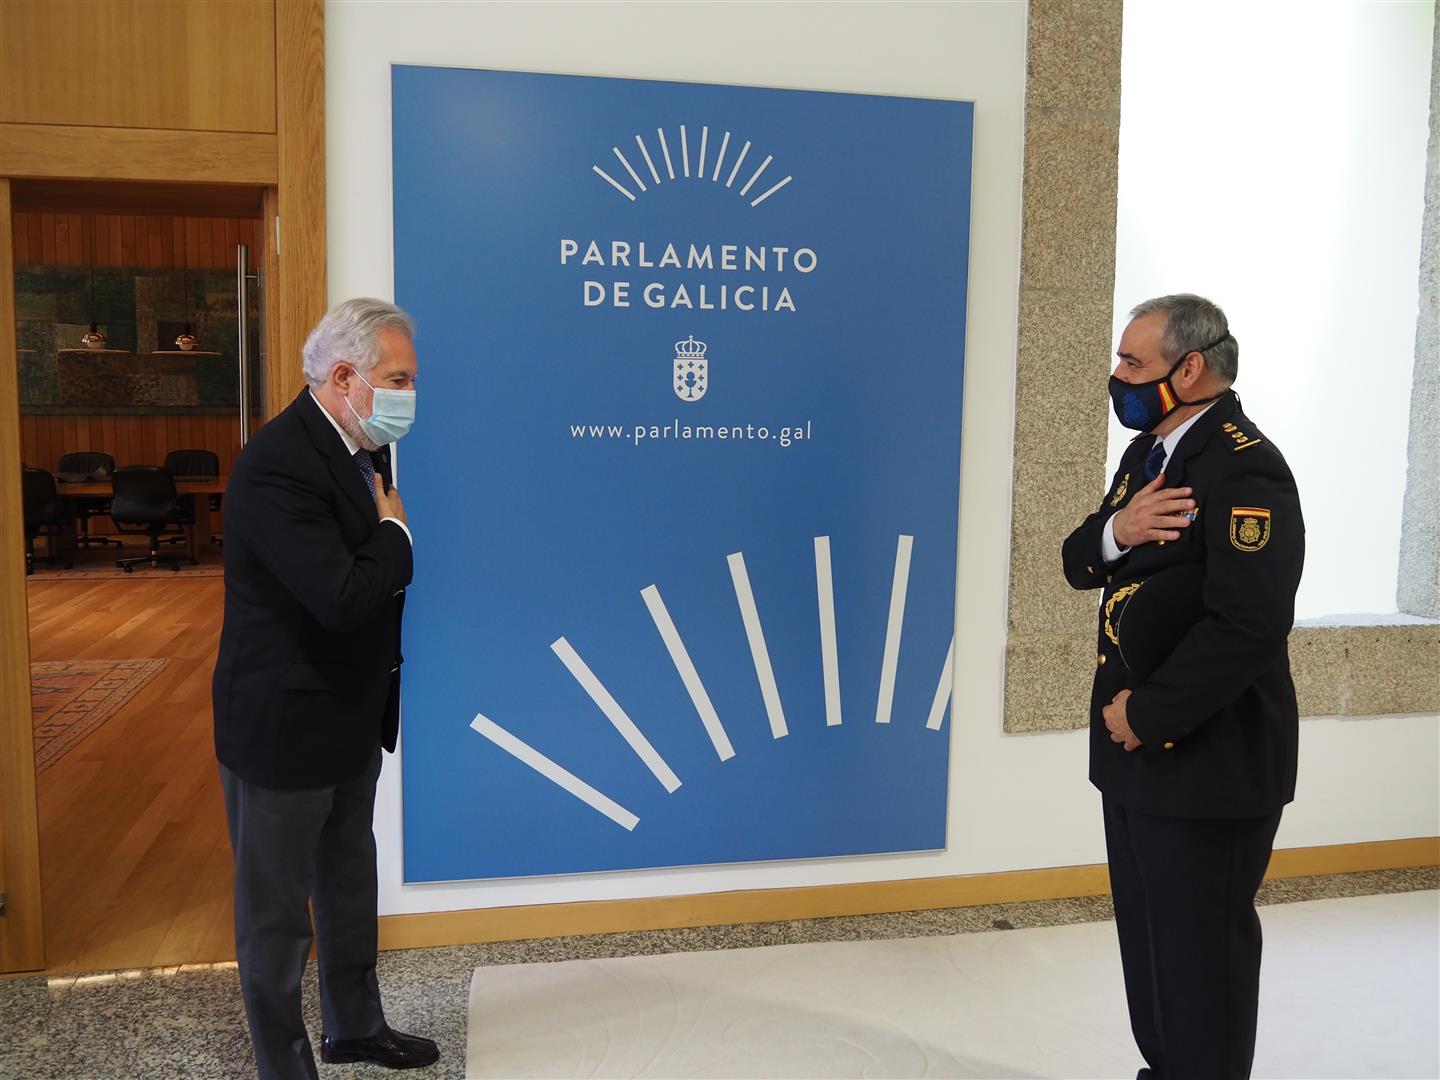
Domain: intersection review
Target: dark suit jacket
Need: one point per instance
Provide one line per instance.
(1217, 720)
(307, 682)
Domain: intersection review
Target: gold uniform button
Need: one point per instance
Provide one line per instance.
(1169, 746)
(1162, 543)
(1109, 578)
(1100, 659)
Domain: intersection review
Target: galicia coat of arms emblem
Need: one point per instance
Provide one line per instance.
(692, 370)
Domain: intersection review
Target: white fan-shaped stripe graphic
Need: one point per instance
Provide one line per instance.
(943, 691)
(759, 652)
(829, 652)
(774, 188)
(545, 767)
(738, 161)
(615, 714)
(720, 160)
(612, 182)
(645, 151)
(756, 176)
(701, 168)
(680, 656)
(898, 586)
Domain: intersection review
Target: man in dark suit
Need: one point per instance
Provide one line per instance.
(1194, 750)
(307, 688)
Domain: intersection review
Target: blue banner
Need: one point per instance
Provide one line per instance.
(685, 476)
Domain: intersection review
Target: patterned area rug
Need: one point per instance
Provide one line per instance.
(69, 699)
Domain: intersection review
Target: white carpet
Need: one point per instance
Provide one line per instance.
(1350, 988)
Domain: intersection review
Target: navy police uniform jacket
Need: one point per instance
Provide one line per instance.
(1216, 717)
(307, 682)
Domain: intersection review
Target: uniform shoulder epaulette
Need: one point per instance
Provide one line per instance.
(1243, 440)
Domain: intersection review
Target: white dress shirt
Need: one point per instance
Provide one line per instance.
(351, 446)
(1109, 549)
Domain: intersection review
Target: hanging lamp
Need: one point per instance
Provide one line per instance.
(95, 339)
(187, 340)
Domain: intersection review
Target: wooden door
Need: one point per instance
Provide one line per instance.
(22, 938)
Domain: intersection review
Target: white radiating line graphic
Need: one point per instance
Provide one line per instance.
(721, 159)
(633, 174)
(777, 187)
(943, 690)
(829, 653)
(743, 151)
(892, 631)
(615, 714)
(611, 181)
(646, 152)
(758, 651)
(665, 149)
(680, 656)
(553, 772)
(763, 166)
(684, 151)
(704, 138)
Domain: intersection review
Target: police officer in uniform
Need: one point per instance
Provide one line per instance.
(1193, 742)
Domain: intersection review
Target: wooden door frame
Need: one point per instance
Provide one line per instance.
(291, 166)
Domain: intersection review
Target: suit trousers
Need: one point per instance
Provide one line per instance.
(294, 847)
(1189, 934)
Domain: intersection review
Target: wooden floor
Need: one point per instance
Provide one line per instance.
(135, 863)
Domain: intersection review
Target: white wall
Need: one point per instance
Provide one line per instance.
(1016, 801)
(1274, 160)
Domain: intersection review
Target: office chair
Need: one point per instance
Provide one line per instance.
(199, 464)
(88, 465)
(145, 500)
(81, 467)
(45, 514)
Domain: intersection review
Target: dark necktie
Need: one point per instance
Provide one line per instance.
(1154, 461)
(367, 468)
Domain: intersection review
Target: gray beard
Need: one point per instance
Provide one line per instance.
(351, 424)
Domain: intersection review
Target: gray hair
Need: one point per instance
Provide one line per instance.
(1191, 324)
(348, 334)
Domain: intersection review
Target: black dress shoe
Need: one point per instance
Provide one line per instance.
(390, 1048)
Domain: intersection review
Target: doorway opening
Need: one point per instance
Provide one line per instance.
(138, 330)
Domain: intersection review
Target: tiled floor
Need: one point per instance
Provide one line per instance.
(188, 1022)
(1350, 990)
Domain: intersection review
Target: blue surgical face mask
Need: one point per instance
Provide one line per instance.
(391, 413)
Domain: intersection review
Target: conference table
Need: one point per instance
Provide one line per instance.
(197, 535)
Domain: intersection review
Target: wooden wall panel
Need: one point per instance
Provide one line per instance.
(139, 241)
(198, 66)
(130, 440)
(62, 151)
(300, 202)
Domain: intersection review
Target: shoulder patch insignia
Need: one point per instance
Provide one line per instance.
(1120, 490)
(1249, 527)
(1242, 439)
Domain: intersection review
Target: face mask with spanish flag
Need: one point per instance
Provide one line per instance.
(1140, 406)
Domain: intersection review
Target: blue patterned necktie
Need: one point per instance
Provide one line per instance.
(1154, 461)
(367, 468)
